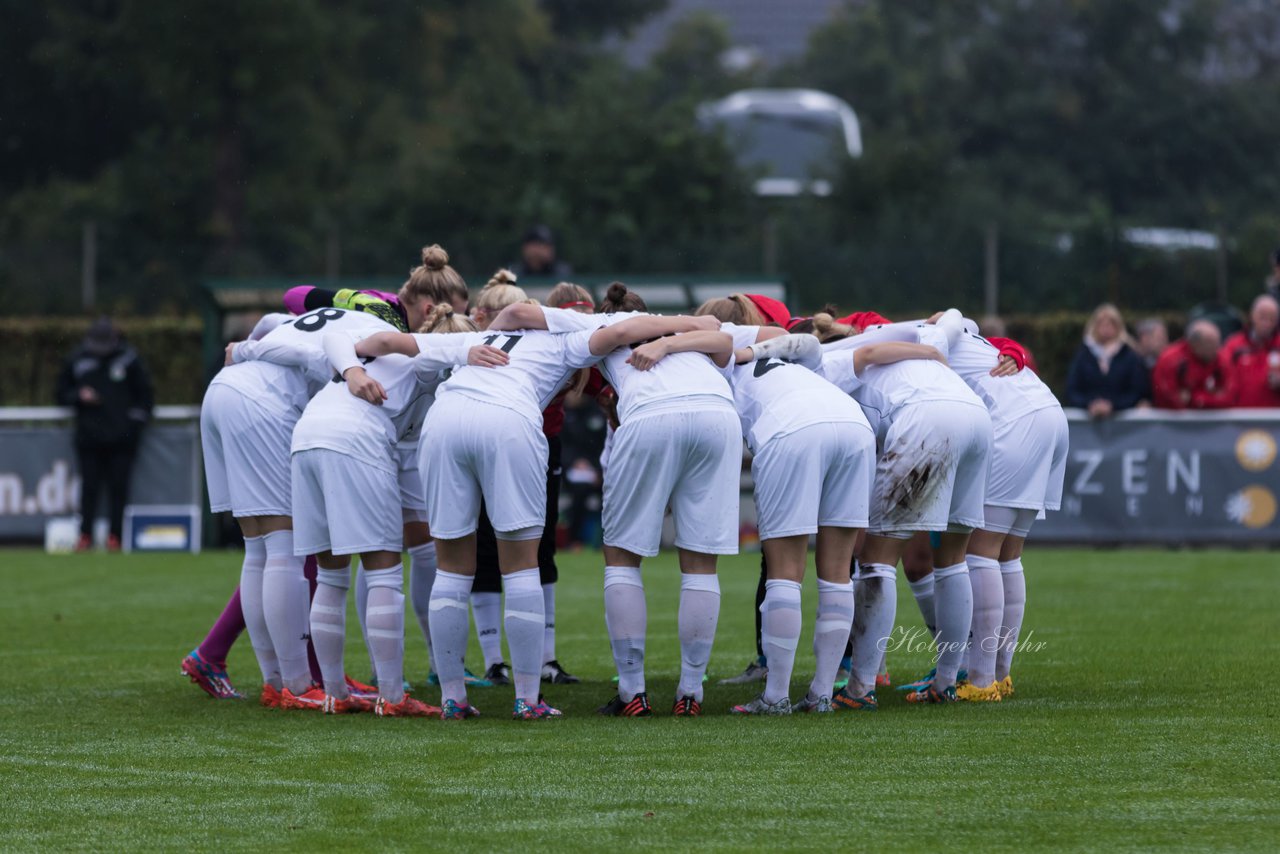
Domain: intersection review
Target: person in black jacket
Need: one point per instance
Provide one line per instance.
(1107, 374)
(110, 389)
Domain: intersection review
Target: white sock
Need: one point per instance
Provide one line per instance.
(449, 625)
(286, 606)
(698, 615)
(255, 557)
(953, 604)
(549, 636)
(988, 608)
(385, 629)
(525, 623)
(329, 627)
(625, 617)
(780, 623)
(362, 611)
(487, 608)
(830, 634)
(875, 600)
(422, 574)
(922, 589)
(1014, 583)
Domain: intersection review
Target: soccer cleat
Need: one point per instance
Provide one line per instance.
(919, 684)
(270, 697)
(547, 709)
(361, 690)
(883, 680)
(933, 695)
(310, 700)
(1006, 686)
(760, 706)
(756, 671)
(212, 678)
(455, 711)
(536, 712)
(408, 707)
(84, 543)
(113, 543)
(686, 707)
(348, 705)
(636, 707)
(843, 674)
(473, 681)
(817, 705)
(845, 700)
(498, 674)
(553, 673)
(433, 678)
(974, 694)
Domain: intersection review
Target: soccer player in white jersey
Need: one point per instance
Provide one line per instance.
(934, 436)
(484, 440)
(346, 500)
(246, 425)
(679, 445)
(1028, 463)
(813, 462)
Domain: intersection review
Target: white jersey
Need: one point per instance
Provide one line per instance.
(283, 369)
(775, 397)
(883, 389)
(972, 357)
(541, 363)
(339, 421)
(678, 376)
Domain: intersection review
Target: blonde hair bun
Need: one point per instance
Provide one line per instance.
(434, 257)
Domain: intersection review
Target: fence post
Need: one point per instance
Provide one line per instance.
(991, 277)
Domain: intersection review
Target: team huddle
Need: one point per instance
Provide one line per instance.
(372, 424)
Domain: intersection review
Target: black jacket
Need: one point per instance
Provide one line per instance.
(124, 392)
(1124, 385)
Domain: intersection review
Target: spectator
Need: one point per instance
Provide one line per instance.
(1252, 355)
(111, 391)
(1153, 338)
(1190, 375)
(538, 256)
(1273, 280)
(1107, 374)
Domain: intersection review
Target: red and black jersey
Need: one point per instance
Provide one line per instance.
(1181, 381)
(1247, 361)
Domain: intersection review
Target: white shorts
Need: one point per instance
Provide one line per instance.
(246, 454)
(341, 504)
(817, 476)
(932, 471)
(1029, 461)
(413, 502)
(689, 459)
(470, 449)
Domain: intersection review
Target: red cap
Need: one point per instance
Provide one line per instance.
(773, 310)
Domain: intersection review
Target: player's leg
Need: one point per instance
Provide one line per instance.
(548, 572)
(626, 621)
(983, 560)
(422, 574)
(486, 601)
(875, 607)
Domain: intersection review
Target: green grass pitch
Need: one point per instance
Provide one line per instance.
(1147, 719)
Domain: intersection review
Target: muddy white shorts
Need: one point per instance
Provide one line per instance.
(932, 470)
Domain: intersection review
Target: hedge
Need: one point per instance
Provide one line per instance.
(35, 348)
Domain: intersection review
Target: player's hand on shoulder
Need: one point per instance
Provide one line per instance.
(364, 386)
(484, 356)
(707, 323)
(646, 356)
(1006, 366)
(229, 355)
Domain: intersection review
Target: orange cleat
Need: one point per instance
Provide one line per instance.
(360, 689)
(310, 700)
(348, 705)
(270, 696)
(406, 708)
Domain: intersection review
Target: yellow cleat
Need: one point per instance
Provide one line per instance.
(1006, 686)
(973, 694)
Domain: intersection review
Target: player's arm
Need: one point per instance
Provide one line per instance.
(802, 349)
(280, 351)
(888, 352)
(442, 350)
(340, 352)
(717, 345)
(520, 315)
(644, 327)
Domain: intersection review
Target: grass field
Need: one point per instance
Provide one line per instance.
(1147, 719)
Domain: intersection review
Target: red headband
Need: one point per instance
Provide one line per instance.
(576, 303)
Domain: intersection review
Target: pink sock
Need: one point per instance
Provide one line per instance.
(230, 623)
(309, 569)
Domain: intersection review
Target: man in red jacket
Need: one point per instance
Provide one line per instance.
(1252, 356)
(1189, 374)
